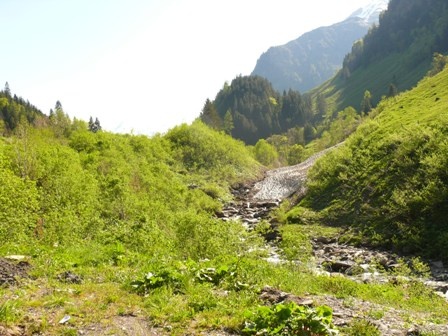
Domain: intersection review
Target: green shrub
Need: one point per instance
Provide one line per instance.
(166, 277)
(290, 319)
(361, 327)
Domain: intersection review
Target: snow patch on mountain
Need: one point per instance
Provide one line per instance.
(371, 11)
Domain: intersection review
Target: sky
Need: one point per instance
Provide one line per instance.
(140, 66)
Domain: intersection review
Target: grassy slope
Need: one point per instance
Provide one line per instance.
(376, 78)
(389, 180)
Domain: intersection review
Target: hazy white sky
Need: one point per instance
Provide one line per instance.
(143, 65)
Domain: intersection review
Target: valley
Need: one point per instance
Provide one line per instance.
(254, 206)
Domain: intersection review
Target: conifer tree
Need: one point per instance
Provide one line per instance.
(366, 103)
(209, 115)
(228, 122)
(7, 90)
(94, 126)
(392, 90)
(321, 104)
(97, 125)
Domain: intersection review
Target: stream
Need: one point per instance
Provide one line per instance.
(254, 202)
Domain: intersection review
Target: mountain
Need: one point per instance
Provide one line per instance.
(371, 12)
(316, 56)
(389, 181)
(397, 53)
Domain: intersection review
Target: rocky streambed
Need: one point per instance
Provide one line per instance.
(254, 203)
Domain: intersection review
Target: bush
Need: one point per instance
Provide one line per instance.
(290, 319)
(361, 327)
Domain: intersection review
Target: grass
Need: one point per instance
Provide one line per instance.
(388, 179)
(376, 78)
(40, 303)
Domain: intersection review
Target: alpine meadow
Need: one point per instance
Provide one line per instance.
(273, 213)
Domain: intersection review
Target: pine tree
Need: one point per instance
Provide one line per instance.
(58, 106)
(392, 90)
(7, 90)
(321, 104)
(94, 126)
(60, 121)
(228, 122)
(366, 103)
(210, 116)
(97, 125)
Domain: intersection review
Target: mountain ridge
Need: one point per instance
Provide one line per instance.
(315, 56)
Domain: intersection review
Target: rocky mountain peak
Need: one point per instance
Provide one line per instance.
(370, 12)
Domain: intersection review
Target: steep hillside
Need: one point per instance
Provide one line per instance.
(397, 52)
(316, 56)
(13, 109)
(389, 181)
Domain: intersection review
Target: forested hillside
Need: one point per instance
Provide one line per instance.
(316, 56)
(250, 109)
(13, 109)
(389, 181)
(393, 56)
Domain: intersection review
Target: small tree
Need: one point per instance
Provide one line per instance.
(210, 116)
(94, 126)
(309, 132)
(392, 90)
(366, 103)
(438, 64)
(228, 122)
(7, 90)
(265, 153)
(321, 104)
(60, 121)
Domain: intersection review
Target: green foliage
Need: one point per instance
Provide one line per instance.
(295, 244)
(209, 116)
(61, 188)
(249, 100)
(362, 327)
(193, 145)
(120, 211)
(389, 179)
(265, 153)
(366, 103)
(290, 319)
(252, 110)
(9, 312)
(214, 275)
(14, 110)
(166, 277)
(228, 125)
(199, 237)
(60, 121)
(412, 267)
(439, 62)
(19, 201)
(399, 50)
